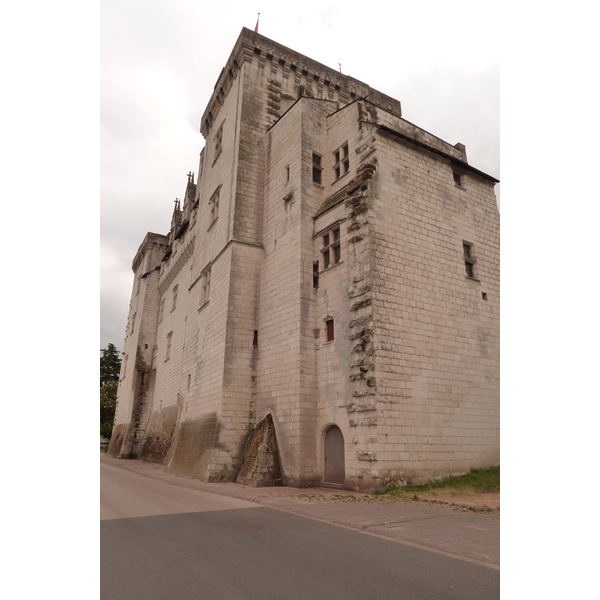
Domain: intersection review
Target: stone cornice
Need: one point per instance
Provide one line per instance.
(170, 275)
(150, 239)
(422, 144)
(250, 43)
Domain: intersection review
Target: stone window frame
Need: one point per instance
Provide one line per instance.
(341, 159)
(205, 288)
(162, 310)
(175, 292)
(218, 140)
(214, 205)
(329, 329)
(329, 246)
(169, 341)
(201, 165)
(317, 168)
(459, 180)
(470, 259)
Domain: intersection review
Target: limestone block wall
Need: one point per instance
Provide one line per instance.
(436, 329)
(217, 173)
(333, 357)
(314, 138)
(239, 363)
(202, 368)
(134, 394)
(347, 385)
(411, 377)
(277, 373)
(188, 400)
(286, 382)
(168, 356)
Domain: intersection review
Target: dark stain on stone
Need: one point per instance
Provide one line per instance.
(116, 440)
(160, 435)
(193, 446)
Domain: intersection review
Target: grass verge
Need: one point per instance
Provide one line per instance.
(477, 480)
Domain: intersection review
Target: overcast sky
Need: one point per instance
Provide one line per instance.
(160, 61)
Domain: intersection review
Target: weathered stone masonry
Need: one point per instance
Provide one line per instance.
(245, 353)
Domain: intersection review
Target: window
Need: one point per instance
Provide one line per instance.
(175, 290)
(201, 167)
(162, 310)
(330, 333)
(317, 168)
(133, 322)
(169, 338)
(214, 205)
(316, 274)
(218, 139)
(469, 259)
(255, 339)
(205, 287)
(331, 248)
(287, 171)
(342, 161)
(124, 369)
(457, 178)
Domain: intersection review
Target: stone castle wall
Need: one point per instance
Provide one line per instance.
(411, 376)
(436, 329)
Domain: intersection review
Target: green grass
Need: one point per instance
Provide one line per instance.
(478, 480)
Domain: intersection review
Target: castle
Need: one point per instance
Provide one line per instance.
(325, 306)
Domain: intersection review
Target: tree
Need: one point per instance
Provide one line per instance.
(110, 364)
(108, 403)
(110, 368)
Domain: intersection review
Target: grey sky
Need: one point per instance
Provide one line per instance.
(160, 61)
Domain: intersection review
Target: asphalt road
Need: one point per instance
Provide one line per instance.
(163, 541)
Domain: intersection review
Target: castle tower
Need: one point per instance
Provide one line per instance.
(327, 300)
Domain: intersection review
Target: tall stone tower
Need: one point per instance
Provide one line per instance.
(325, 307)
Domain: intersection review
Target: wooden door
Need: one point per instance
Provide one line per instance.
(334, 455)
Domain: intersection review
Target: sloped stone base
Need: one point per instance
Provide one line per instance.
(260, 462)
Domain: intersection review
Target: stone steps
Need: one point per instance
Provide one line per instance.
(331, 486)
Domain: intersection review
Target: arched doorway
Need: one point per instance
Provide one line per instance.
(334, 455)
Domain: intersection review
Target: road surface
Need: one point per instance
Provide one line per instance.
(164, 541)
